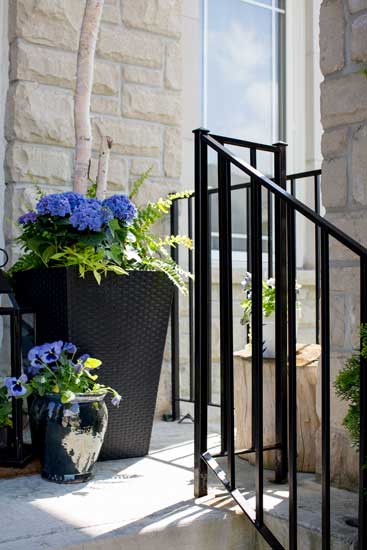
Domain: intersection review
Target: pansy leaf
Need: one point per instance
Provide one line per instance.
(67, 396)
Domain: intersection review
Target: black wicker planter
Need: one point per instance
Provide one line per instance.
(124, 323)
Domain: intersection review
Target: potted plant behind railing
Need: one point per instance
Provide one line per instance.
(68, 416)
(268, 306)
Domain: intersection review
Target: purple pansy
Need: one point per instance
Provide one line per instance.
(121, 207)
(55, 204)
(15, 385)
(51, 352)
(69, 348)
(35, 359)
(90, 215)
(29, 217)
(116, 400)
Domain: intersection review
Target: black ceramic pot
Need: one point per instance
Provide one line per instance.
(4, 437)
(68, 438)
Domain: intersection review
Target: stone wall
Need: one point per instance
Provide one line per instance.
(136, 99)
(343, 45)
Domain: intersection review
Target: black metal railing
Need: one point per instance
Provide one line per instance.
(184, 208)
(286, 209)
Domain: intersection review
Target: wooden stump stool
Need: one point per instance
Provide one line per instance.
(307, 420)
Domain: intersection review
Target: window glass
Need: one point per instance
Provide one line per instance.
(243, 88)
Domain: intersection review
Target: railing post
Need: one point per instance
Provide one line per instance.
(202, 301)
(257, 345)
(280, 243)
(226, 313)
(362, 523)
(175, 341)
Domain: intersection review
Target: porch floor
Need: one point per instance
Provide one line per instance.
(147, 503)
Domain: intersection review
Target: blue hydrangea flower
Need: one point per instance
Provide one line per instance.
(74, 199)
(121, 207)
(15, 385)
(29, 217)
(90, 214)
(55, 204)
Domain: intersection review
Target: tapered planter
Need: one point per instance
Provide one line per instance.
(68, 438)
(124, 323)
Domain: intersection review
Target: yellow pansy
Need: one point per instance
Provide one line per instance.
(92, 363)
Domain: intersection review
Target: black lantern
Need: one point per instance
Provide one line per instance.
(14, 452)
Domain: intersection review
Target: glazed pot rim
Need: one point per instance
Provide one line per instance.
(79, 397)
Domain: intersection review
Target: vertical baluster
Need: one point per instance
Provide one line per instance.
(292, 379)
(325, 388)
(253, 162)
(280, 237)
(191, 300)
(202, 298)
(209, 282)
(317, 257)
(175, 320)
(270, 234)
(257, 344)
(362, 528)
(226, 307)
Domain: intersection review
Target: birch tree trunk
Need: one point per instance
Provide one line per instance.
(84, 82)
(103, 163)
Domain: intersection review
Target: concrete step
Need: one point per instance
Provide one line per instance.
(148, 504)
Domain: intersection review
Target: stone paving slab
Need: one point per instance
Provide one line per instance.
(148, 503)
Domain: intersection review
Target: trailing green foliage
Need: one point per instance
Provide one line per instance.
(5, 408)
(347, 387)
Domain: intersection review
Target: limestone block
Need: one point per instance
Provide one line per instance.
(173, 76)
(344, 279)
(331, 36)
(161, 16)
(307, 419)
(172, 152)
(105, 105)
(139, 75)
(357, 5)
(58, 68)
(359, 39)
(40, 114)
(344, 100)
(111, 13)
(49, 22)
(117, 179)
(337, 321)
(127, 46)
(353, 224)
(139, 166)
(334, 143)
(25, 163)
(151, 104)
(18, 200)
(129, 138)
(359, 165)
(334, 182)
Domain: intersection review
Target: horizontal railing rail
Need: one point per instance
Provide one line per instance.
(286, 209)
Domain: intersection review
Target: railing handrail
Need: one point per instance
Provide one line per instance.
(278, 191)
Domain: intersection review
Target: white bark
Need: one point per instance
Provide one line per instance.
(84, 82)
(103, 163)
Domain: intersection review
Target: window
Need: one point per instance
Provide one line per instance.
(243, 88)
